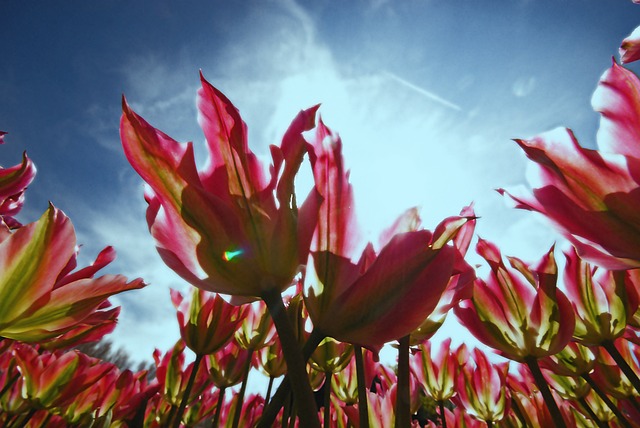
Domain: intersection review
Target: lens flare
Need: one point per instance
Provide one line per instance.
(230, 255)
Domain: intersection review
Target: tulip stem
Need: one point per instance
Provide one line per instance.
(443, 417)
(614, 409)
(187, 392)
(284, 390)
(296, 364)
(9, 384)
(403, 396)
(591, 413)
(268, 394)
(216, 418)
(363, 405)
(554, 410)
(243, 390)
(622, 363)
(327, 399)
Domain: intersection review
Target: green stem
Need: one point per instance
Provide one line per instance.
(286, 412)
(489, 424)
(403, 395)
(591, 413)
(296, 364)
(187, 392)
(540, 381)
(614, 409)
(363, 405)
(284, 390)
(243, 390)
(24, 421)
(515, 407)
(172, 413)
(327, 399)
(622, 363)
(9, 384)
(443, 417)
(216, 417)
(268, 395)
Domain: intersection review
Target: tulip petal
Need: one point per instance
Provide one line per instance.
(590, 197)
(404, 271)
(226, 135)
(25, 285)
(69, 305)
(617, 98)
(630, 47)
(181, 214)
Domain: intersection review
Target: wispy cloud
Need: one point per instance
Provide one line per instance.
(422, 91)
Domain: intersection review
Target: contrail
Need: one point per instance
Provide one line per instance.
(424, 92)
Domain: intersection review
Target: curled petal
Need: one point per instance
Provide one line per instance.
(617, 99)
(630, 47)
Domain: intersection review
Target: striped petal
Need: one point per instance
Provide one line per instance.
(26, 286)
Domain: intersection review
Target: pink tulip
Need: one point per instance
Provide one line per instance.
(593, 197)
(518, 311)
(41, 297)
(207, 322)
(54, 379)
(436, 374)
(361, 297)
(482, 390)
(230, 227)
(603, 301)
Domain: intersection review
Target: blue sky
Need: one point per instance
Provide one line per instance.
(425, 94)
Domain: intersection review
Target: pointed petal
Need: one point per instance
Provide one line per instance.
(408, 221)
(69, 306)
(193, 229)
(24, 285)
(226, 136)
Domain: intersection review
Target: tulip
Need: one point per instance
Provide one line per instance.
(520, 319)
(330, 357)
(40, 296)
(229, 228)
(363, 301)
(577, 360)
(436, 375)
(592, 196)
(523, 320)
(482, 391)
(175, 380)
(129, 395)
(54, 379)
(206, 322)
(603, 301)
